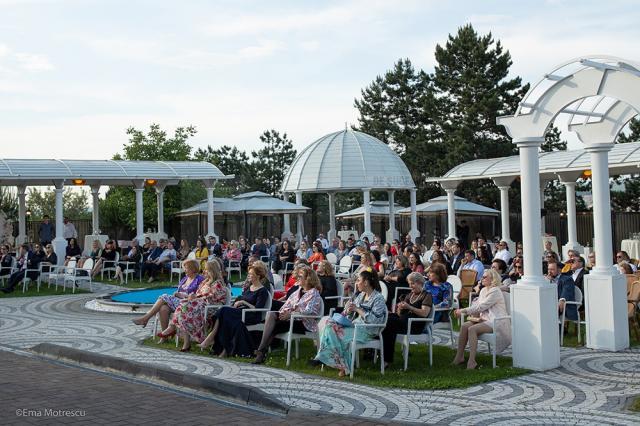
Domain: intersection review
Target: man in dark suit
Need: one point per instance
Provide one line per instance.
(214, 247)
(577, 272)
(456, 257)
(566, 290)
(28, 260)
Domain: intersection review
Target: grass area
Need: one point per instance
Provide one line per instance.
(44, 291)
(419, 375)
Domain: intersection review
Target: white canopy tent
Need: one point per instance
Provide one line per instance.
(376, 208)
(598, 95)
(349, 161)
(95, 173)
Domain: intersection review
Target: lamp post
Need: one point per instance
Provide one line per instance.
(28, 214)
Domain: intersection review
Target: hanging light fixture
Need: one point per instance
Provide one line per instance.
(79, 181)
(586, 174)
(151, 182)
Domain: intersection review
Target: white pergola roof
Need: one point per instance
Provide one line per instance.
(378, 208)
(463, 206)
(104, 172)
(623, 159)
(251, 202)
(347, 161)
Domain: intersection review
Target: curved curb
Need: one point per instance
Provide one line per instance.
(238, 393)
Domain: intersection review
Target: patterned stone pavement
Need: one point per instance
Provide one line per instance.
(591, 387)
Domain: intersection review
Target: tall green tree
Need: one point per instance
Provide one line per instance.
(473, 88)
(271, 161)
(397, 108)
(230, 161)
(152, 145)
(9, 202)
(633, 133)
(75, 203)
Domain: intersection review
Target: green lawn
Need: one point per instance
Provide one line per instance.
(635, 405)
(44, 291)
(419, 375)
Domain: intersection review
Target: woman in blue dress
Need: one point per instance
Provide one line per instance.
(368, 307)
(230, 335)
(440, 289)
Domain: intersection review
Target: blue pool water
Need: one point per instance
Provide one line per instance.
(148, 297)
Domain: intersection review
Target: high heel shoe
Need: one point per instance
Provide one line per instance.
(185, 349)
(167, 335)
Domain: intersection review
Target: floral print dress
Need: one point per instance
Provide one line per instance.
(189, 314)
(335, 340)
(184, 287)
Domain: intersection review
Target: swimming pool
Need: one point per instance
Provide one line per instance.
(149, 296)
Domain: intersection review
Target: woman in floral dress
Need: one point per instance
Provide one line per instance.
(188, 317)
(167, 303)
(370, 307)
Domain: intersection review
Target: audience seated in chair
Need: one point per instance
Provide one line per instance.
(188, 317)
(368, 307)
(489, 305)
(230, 336)
(306, 301)
(440, 290)
(27, 259)
(107, 255)
(167, 303)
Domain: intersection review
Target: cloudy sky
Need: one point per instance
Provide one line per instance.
(74, 74)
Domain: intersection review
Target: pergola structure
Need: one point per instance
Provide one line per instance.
(95, 173)
(349, 161)
(567, 166)
(601, 94)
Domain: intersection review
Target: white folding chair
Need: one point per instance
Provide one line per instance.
(344, 269)
(278, 284)
(491, 338)
(426, 336)
(234, 266)
(577, 303)
(332, 258)
(290, 337)
(58, 274)
(130, 269)
(27, 280)
(374, 343)
(176, 268)
(77, 276)
(456, 283)
(6, 271)
(259, 326)
(108, 265)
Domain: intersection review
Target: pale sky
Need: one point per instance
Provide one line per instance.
(74, 74)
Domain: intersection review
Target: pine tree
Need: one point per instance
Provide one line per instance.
(271, 161)
(472, 90)
(634, 132)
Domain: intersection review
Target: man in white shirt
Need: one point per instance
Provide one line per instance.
(503, 252)
(69, 230)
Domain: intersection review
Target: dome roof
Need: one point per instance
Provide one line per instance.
(347, 161)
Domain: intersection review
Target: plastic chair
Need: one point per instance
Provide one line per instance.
(332, 258)
(375, 343)
(176, 268)
(426, 336)
(76, 277)
(491, 338)
(278, 284)
(344, 269)
(563, 319)
(234, 265)
(267, 308)
(290, 337)
(108, 266)
(58, 274)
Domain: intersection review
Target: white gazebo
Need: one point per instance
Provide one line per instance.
(599, 95)
(349, 161)
(95, 173)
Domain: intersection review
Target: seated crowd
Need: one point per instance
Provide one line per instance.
(384, 286)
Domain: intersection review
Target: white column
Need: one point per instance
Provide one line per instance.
(210, 213)
(605, 288)
(534, 301)
(286, 233)
(451, 212)
(59, 243)
(95, 215)
(332, 217)
(392, 233)
(139, 191)
(160, 203)
(22, 215)
(503, 185)
(299, 224)
(568, 179)
(367, 214)
(414, 216)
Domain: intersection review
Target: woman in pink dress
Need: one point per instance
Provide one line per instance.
(188, 318)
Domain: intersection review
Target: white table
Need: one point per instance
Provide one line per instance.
(88, 242)
(632, 247)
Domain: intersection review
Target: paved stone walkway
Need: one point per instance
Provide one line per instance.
(590, 388)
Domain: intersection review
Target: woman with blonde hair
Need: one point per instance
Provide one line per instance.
(188, 317)
(489, 305)
(167, 303)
